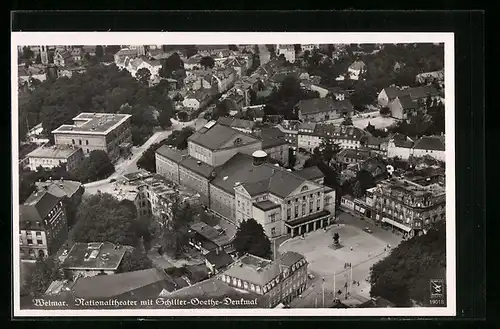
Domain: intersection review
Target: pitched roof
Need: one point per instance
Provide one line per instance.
(392, 92)
(211, 233)
(108, 286)
(199, 167)
(219, 259)
(407, 102)
(272, 137)
(318, 105)
(237, 123)
(400, 140)
(354, 154)
(357, 65)
(289, 258)
(430, 143)
(310, 173)
(254, 269)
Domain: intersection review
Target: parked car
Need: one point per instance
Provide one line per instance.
(367, 230)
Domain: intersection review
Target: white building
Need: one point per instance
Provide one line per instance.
(56, 155)
(356, 69)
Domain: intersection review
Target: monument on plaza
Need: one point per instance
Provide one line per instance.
(336, 242)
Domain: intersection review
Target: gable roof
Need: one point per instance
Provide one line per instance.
(42, 201)
(430, 143)
(357, 65)
(407, 102)
(170, 153)
(266, 205)
(237, 123)
(392, 92)
(108, 286)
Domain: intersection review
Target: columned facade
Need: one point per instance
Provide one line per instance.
(308, 224)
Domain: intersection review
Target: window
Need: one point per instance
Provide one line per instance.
(80, 142)
(273, 231)
(296, 211)
(272, 217)
(39, 241)
(288, 213)
(87, 142)
(88, 151)
(303, 209)
(30, 241)
(38, 233)
(73, 141)
(311, 206)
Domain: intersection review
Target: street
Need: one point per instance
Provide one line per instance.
(125, 166)
(327, 262)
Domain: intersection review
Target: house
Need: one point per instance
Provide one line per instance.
(69, 191)
(212, 50)
(417, 94)
(207, 239)
(53, 156)
(356, 69)
(77, 54)
(291, 129)
(43, 226)
(433, 146)
(311, 135)
(403, 107)
(347, 202)
(63, 58)
(123, 54)
(193, 62)
(376, 145)
(225, 78)
(322, 109)
(93, 258)
(350, 156)
(399, 146)
(217, 261)
(198, 99)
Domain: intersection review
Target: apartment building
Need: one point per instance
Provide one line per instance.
(278, 281)
(323, 109)
(310, 136)
(408, 207)
(43, 226)
(97, 131)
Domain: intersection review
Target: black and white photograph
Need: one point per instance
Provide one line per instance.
(235, 174)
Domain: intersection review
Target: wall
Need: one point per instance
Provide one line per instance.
(397, 109)
(200, 153)
(279, 153)
(439, 155)
(265, 219)
(308, 142)
(167, 168)
(195, 182)
(318, 117)
(401, 152)
(222, 203)
(243, 206)
(383, 99)
(35, 246)
(95, 142)
(329, 202)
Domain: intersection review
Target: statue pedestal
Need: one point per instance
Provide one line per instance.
(336, 246)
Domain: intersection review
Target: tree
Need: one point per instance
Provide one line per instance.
(46, 270)
(404, 275)
(102, 218)
(190, 50)
(166, 114)
(143, 75)
(328, 149)
(27, 53)
(38, 59)
(175, 228)
(250, 238)
(147, 160)
(233, 47)
(134, 261)
(297, 48)
(99, 51)
(170, 65)
(347, 121)
(95, 167)
(207, 62)
(364, 181)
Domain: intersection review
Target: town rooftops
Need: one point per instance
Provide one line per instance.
(36, 208)
(435, 143)
(310, 173)
(201, 168)
(407, 188)
(213, 135)
(218, 237)
(319, 105)
(60, 188)
(272, 137)
(290, 258)
(64, 54)
(356, 154)
(54, 152)
(109, 286)
(94, 256)
(400, 140)
(93, 124)
(415, 93)
(266, 205)
(124, 52)
(219, 258)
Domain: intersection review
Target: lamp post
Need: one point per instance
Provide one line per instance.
(323, 287)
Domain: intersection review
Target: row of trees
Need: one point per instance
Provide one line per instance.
(178, 139)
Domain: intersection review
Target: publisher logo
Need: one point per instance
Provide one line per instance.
(437, 288)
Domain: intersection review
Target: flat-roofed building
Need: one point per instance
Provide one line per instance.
(107, 132)
(55, 155)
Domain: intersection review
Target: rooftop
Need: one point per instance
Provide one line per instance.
(54, 152)
(109, 286)
(237, 123)
(219, 259)
(214, 135)
(409, 188)
(318, 105)
(217, 236)
(94, 256)
(36, 208)
(435, 143)
(357, 65)
(266, 205)
(93, 123)
(60, 188)
(171, 153)
(310, 173)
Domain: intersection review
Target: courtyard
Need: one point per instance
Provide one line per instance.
(328, 263)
